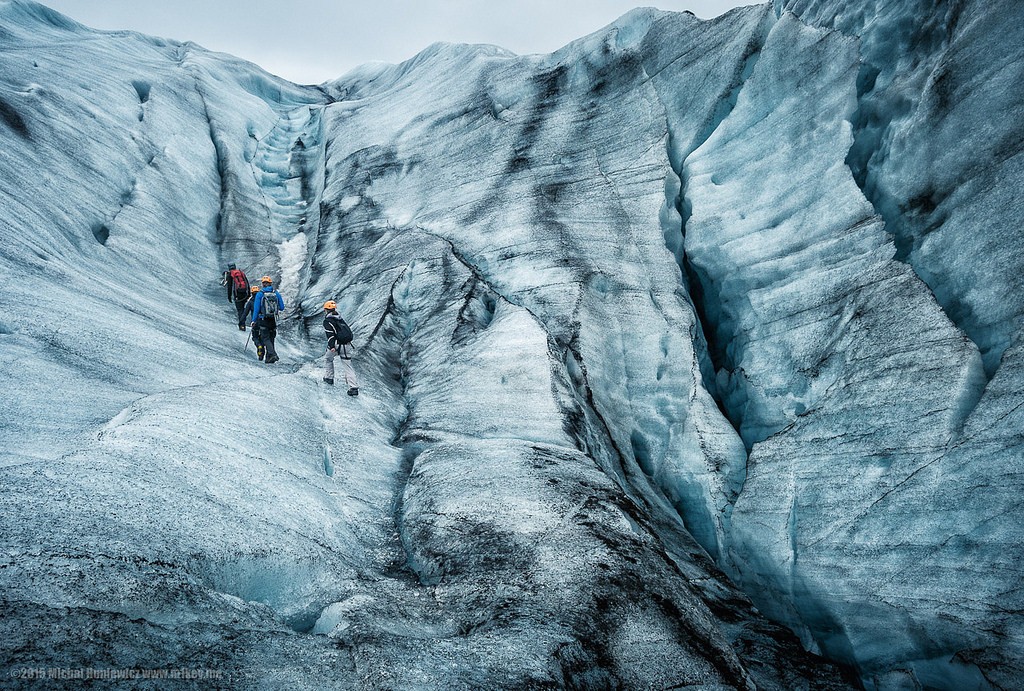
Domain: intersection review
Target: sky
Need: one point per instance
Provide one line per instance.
(312, 41)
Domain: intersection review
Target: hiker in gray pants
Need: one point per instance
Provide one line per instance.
(339, 339)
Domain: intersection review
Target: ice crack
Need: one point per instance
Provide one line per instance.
(710, 334)
(881, 110)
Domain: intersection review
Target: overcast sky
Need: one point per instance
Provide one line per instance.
(311, 41)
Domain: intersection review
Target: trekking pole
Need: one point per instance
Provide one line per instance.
(246, 348)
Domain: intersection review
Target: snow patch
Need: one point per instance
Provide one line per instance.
(348, 203)
(292, 254)
(337, 616)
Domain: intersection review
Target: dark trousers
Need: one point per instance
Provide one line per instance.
(240, 308)
(267, 331)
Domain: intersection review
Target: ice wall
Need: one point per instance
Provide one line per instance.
(479, 515)
(890, 445)
(658, 305)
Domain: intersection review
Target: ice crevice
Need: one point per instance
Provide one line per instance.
(286, 163)
(288, 166)
(567, 356)
(479, 275)
(403, 327)
(389, 307)
(876, 122)
(585, 423)
(215, 139)
(562, 354)
(328, 454)
(710, 337)
(102, 230)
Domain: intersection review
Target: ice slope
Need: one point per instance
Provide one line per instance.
(626, 315)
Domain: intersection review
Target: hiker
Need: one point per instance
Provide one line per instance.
(339, 339)
(238, 291)
(247, 316)
(267, 304)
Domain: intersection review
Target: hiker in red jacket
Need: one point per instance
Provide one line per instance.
(238, 291)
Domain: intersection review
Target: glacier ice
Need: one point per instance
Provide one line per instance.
(684, 334)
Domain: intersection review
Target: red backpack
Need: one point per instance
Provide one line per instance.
(241, 284)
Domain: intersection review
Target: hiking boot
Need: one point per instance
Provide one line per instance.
(327, 380)
(260, 352)
(271, 359)
(353, 391)
(241, 327)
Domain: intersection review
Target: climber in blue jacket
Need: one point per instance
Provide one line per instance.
(266, 307)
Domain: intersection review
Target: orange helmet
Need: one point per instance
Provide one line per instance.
(267, 279)
(254, 289)
(330, 305)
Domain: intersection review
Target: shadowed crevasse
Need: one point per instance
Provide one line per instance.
(881, 110)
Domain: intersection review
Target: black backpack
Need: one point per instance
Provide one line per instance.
(344, 333)
(341, 330)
